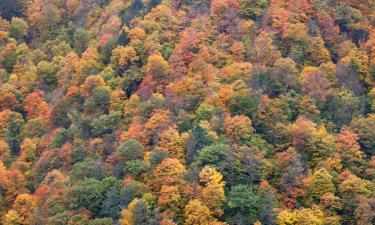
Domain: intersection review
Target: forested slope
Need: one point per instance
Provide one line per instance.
(191, 112)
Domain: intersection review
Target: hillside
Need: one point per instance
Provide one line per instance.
(176, 112)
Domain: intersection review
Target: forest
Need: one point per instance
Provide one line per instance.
(187, 112)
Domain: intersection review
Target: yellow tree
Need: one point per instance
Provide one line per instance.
(25, 205)
(171, 141)
(168, 172)
(212, 193)
(196, 213)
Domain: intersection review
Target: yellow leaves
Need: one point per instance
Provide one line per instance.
(137, 34)
(117, 100)
(352, 185)
(121, 56)
(196, 213)
(127, 214)
(2, 166)
(212, 193)
(158, 68)
(286, 218)
(211, 176)
(301, 216)
(297, 32)
(12, 218)
(307, 71)
(322, 183)
(318, 53)
(90, 54)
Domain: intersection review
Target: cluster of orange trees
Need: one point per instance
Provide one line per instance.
(200, 112)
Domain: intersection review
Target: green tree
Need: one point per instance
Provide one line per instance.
(14, 132)
(321, 184)
(244, 201)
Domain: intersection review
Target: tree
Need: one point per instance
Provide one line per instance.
(364, 213)
(168, 172)
(171, 141)
(25, 205)
(91, 193)
(196, 213)
(349, 150)
(290, 172)
(137, 213)
(252, 167)
(313, 141)
(158, 69)
(315, 85)
(130, 150)
(303, 216)
(225, 13)
(321, 184)
(14, 132)
(364, 128)
(81, 39)
(18, 29)
(238, 128)
(265, 53)
(12, 8)
(36, 106)
(245, 202)
(12, 218)
(13, 183)
(212, 193)
(47, 72)
(123, 56)
(218, 156)
(284, 76)
(169, 202)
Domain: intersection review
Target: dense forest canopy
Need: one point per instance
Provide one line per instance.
(176, 112)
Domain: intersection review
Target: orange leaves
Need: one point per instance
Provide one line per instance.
(4, 150)
(238, 128)
(8, 101)
(220, 6)
(12, 182)
(159, 121)
(36, 106)
(171, 141)
(169, 172)
(169, 200)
